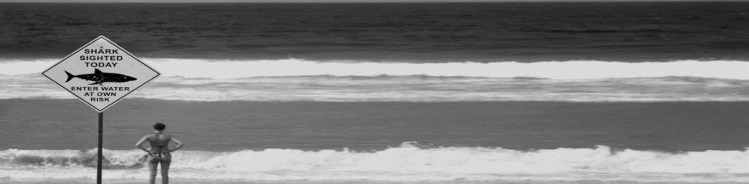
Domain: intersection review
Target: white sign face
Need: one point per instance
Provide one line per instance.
(100, 73)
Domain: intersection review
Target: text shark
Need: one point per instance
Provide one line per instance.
(100, 77)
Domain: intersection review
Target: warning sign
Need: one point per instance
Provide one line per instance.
(100, 73)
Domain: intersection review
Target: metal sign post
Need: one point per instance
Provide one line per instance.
(99, 154)
(100, 74)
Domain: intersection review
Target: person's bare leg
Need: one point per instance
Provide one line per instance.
(152, 166)
(165, 171)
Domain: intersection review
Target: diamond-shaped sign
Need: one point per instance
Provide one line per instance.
(100, 73)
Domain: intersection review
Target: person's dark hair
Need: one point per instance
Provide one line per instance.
(159, 126)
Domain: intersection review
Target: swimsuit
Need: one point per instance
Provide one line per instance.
(159, 157)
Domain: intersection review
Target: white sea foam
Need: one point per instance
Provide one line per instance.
(407, 162)
(231, 69)
(407, 88)
(300, 80)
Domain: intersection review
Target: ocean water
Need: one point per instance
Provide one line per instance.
(386, 142)
(486, 32)
(390, 93)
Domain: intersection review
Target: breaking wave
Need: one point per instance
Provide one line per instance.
(408, 162)
(233, 69)
(339, 81)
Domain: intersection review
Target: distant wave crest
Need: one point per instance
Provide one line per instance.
(232, 69)
(349, 81)
(408, 162)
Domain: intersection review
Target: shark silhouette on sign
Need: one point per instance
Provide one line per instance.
(100, 77)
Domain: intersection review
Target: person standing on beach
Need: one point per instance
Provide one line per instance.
(159, 152)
